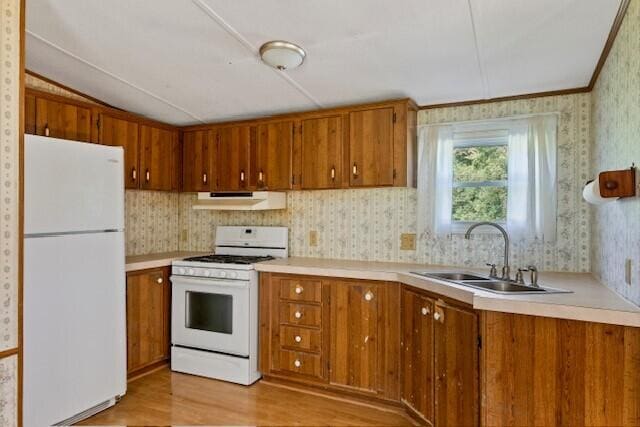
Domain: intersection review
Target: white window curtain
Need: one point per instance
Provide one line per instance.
(531, 176)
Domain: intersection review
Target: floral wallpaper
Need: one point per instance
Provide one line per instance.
(151, 222)
(9, 391)
(616, 144)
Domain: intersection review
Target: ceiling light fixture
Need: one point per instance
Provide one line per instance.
(282, 55)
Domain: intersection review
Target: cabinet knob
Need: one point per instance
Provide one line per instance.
(299, 290)
(355, 170)
(204, 178)
(147, 175)
(333, 172)
(46, 130)
(436, 315)
(260, 176)
(298, 338)
(160, 280)
(424, 311)
(368, 296)
(297, 363)
(134, 174)
(297, 315)
(241, 176)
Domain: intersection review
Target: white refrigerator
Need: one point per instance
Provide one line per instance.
(74, 280)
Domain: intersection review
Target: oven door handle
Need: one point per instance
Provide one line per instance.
(179, 280)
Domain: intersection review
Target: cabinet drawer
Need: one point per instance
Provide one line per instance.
(300, 338)
(301, 290)
(300, 314)
(301, 363)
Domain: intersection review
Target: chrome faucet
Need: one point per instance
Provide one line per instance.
(506, 272)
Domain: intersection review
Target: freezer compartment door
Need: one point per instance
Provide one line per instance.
(74, 324)
(72, 186)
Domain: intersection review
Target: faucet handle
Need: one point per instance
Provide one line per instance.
(493, 272)
(534, 275)
(520, 276)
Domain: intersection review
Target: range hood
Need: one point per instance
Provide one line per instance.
(242, 201)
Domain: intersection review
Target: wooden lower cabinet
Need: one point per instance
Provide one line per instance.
(555, 372)
(148, 319)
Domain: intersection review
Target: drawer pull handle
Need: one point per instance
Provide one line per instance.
(368, 296)
(424, 311)
(134, 174)
(355, 170)
(241, 176)
(297, 363)
(297, 315)
(204, 178)
(147, 175)
(298, 338)
(159, 280)
(299, 290)
(333, 173)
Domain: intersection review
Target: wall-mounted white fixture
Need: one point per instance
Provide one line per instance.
(609, 186)
(282, 55)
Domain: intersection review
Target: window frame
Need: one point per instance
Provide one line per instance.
(458, 227)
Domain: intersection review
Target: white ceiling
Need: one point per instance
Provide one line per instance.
(192, 61)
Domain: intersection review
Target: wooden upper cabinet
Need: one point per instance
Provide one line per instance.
(456, 366)
(199, 160)
(62, 120)
(123, 133)
(30, 114)
(274, 156)
(148, 310)
(371, 147)
(236, 147)
(158, 158)
(321, 153)
(418, 353)
(364, 350)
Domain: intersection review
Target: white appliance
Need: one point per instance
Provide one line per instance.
(74, 280)
(214, 307)
(242, 201)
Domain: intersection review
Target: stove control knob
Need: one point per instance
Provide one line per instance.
(223, 274)
(191, 272)
(207, 273)
(233, 275)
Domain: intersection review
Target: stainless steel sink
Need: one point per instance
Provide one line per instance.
(489, 284)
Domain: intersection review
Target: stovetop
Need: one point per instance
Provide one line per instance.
(229, 259)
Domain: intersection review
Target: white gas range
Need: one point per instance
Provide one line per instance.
(214, 307)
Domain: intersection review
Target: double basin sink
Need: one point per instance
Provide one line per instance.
(489, 284)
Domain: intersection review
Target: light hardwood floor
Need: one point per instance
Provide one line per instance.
(169, 398)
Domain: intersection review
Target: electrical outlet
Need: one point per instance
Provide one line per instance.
(627, 271)
(313, 238)
(408, 242)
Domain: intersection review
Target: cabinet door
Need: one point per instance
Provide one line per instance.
(418, 353)
(321, 153)
(234, 155)
(60, 120)
(30, 114)
(456, 366)
(158, 158)
(275, 145)
(356, 352)
(122, 133)
(148, 311)
(371, 147)
(199, 160)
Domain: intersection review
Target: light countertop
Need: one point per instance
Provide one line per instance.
(162, 259)
(590, 300)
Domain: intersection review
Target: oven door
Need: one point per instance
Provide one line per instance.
(210, 314)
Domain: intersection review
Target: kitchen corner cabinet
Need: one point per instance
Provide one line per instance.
(61, 120)
(274, 169)
(123, 133)
(321, 153)
(160, 159)
(148, 319)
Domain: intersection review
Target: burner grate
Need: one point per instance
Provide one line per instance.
(229, 259)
